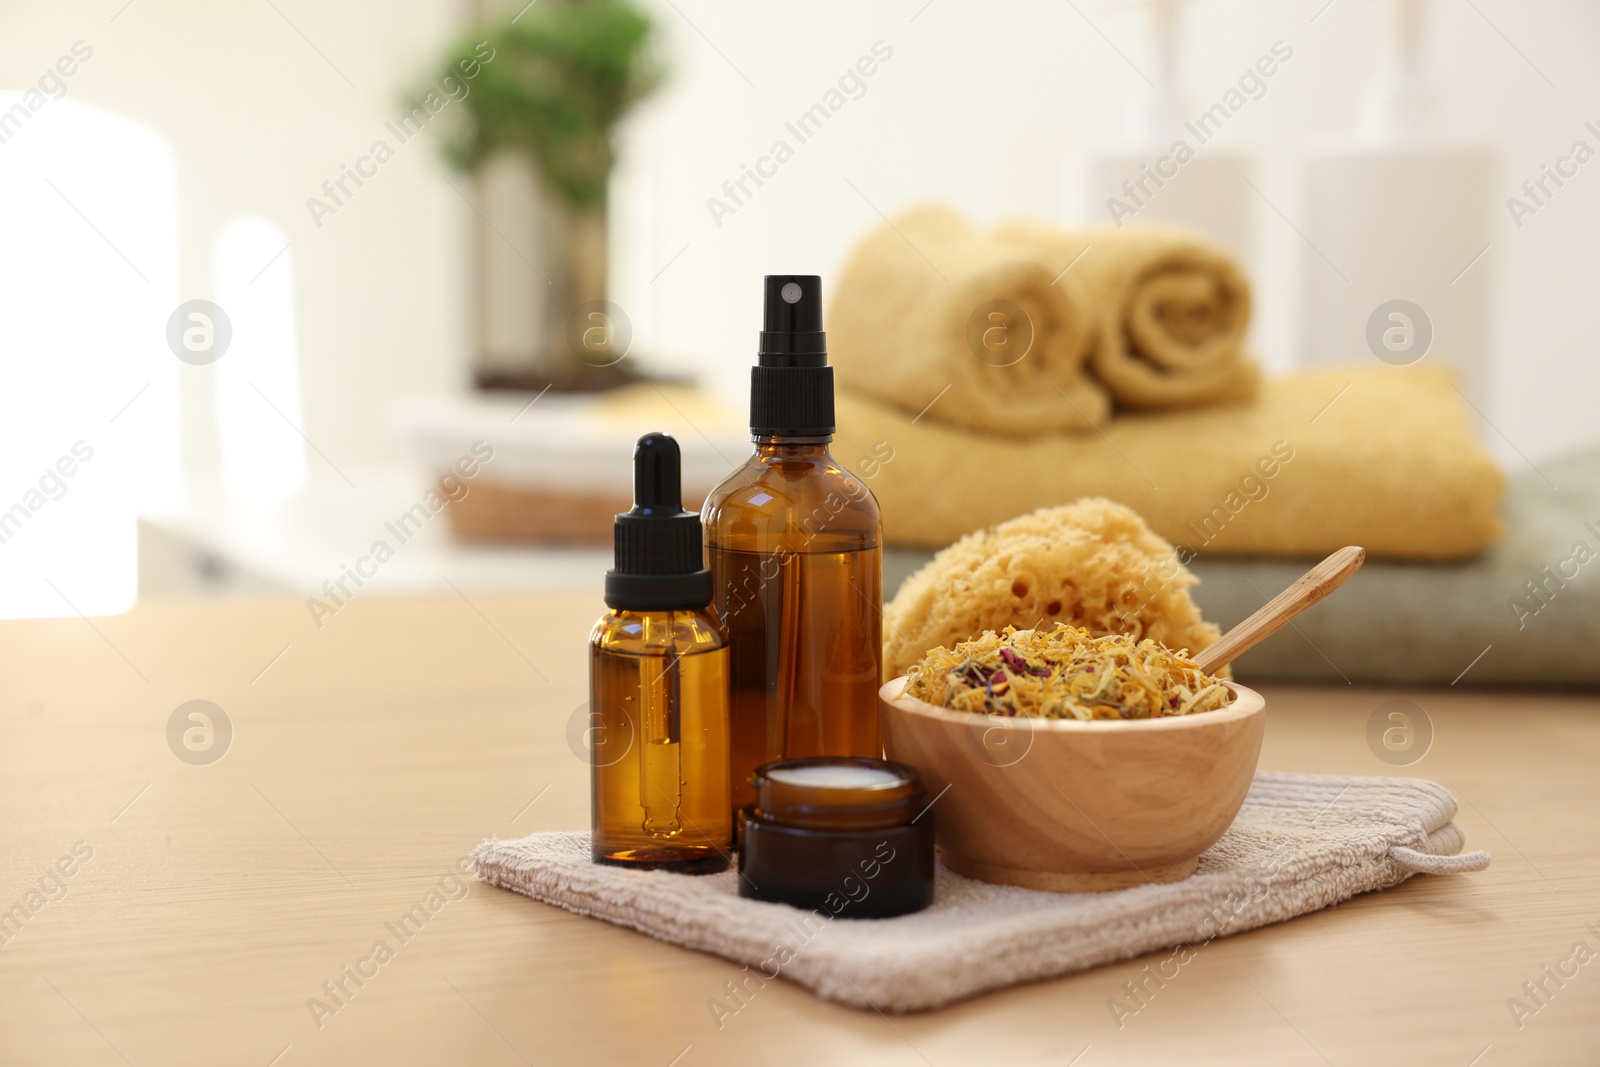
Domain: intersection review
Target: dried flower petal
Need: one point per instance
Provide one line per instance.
(1077, 676)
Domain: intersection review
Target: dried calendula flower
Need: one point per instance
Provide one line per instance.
(1065, 673)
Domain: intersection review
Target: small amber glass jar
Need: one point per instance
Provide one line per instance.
(850, 838)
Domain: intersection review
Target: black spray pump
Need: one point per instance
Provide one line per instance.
(791, 385)
(660, 560)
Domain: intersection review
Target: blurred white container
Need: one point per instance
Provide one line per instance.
(1207, 190)
(562, 465)
(1399, 227)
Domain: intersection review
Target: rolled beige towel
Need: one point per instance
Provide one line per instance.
(928, 308)
(1170, 311)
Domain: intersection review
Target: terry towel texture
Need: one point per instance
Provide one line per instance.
(1383, 457)
(1301, 842)
(1152, 317)
(919, 298)
(1170, 311)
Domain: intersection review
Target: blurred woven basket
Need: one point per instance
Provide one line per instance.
(561, 465)
(506, 514)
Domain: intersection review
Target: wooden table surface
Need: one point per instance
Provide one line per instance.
(207, 904)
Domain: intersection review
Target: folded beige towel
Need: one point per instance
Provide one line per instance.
(1301, 842)
(1384, 457)
(1170, 311)
(926, 304)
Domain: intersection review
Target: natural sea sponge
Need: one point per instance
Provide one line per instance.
(1092, 563)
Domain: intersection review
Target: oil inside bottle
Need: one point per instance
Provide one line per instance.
(658, 742)
(804, 679)
(658, 686)
(794, 546)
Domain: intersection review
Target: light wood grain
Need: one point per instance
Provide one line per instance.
(1145, 797)
(375, 751)
(1311, 587)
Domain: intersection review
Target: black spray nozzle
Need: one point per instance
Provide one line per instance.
(660, 560)
(791, 385)
(791, 322)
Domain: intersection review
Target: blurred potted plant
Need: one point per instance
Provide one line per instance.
(564, 74)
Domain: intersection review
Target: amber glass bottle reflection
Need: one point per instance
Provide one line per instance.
(793, 542)
(658, 686)
(659, 740)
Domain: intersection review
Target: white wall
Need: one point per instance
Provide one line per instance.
(990, 105)
(996, 106)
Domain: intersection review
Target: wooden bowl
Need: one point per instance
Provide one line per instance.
(1076, 806)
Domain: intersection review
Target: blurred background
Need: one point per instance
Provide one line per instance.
(383, 308)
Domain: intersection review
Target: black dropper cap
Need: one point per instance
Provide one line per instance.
(791, 385)
(660, 565)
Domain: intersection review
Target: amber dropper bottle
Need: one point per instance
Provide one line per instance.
(658, 687)
(794, 544)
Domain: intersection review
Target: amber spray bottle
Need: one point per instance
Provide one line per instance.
(794, 544)
(658, 687)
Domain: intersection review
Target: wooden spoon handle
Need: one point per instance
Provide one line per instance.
(1313, 585)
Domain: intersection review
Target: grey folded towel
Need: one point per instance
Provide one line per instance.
(1301, 843)
(1525, 613)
